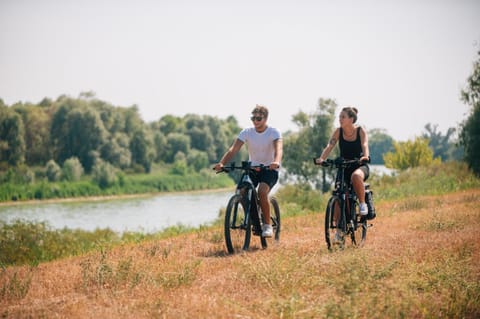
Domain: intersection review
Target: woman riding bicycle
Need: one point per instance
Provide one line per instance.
(353, 141)
(264, 147)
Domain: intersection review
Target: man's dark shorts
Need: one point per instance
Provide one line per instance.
(267, 176)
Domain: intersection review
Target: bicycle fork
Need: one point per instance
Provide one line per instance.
(245, 202)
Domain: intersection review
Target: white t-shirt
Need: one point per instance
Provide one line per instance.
(260, 145)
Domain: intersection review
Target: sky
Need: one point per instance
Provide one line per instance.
(402, 63)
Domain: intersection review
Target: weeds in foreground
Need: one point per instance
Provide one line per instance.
(115, 274)
(15, 286)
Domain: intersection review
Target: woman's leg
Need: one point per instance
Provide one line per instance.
(358, 177)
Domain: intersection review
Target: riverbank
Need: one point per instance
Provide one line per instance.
(419, 261)
(129, 185)
(110, 197)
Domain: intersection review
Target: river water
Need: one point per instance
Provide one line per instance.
(145, 214)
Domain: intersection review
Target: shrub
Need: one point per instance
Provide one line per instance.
(104, 174)
(72, 169)
(53, 171)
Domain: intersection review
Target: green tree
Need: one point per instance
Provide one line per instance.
(470, 128)
(160, 142)
(443, 146)
(12, 141)
(379, 143)
(410, 154)
(37, 133)
(85, 133)
(169, 124)
(300, 147)
(78, 130)
(197, 159)
(177, 142)
(133, 121)
(142, 149)
(117, 151)
(224, 132)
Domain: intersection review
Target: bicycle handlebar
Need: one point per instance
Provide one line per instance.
(339, 162)
(247, 166)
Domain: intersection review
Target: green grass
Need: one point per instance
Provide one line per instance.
(432, 180)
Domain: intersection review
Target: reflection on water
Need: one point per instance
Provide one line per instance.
(140, 214)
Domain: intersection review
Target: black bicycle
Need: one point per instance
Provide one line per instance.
(342, 215)
(244, 215)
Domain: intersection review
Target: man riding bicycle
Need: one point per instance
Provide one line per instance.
(265, 147)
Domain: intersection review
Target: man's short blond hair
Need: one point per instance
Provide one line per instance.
(260, 109)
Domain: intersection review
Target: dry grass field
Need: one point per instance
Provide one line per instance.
(421, 260)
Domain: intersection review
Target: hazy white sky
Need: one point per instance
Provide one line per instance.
(401, 63)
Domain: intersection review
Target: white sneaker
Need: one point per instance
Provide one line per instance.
(267, 230)
(363, 209)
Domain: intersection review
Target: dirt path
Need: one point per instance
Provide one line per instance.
(421, 260)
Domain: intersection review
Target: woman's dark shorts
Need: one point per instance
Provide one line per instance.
(267, 176)
(364, 168)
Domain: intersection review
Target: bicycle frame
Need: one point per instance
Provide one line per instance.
(247, 190)
(348, 197)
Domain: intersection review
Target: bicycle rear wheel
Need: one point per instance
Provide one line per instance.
(275, 217)
(237, 227)
(332, 222)
(274, 221)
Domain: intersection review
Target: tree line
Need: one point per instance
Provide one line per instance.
(84, 133)
(66, 137)
(90, 131)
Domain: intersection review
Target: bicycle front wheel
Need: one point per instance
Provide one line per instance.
(237, 227)
(334, 227)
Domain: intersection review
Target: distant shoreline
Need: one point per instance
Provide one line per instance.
(108, 197)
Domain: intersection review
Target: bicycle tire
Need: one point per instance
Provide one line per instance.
(274, 221)
(331, 222)
(360, 224)
(237, 231)
(275, 217)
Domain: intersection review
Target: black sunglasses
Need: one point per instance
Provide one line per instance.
(256, 118)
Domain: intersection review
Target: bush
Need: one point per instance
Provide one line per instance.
(53, 171)
(410, 154)
(104, 174)
(72, 170)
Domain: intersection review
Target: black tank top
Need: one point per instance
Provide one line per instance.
(350, 150)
